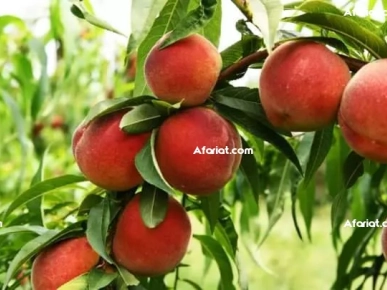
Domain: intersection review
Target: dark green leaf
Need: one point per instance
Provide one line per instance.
(41, 188)
(247, 45)
(98, 279)
(213, 247)
(250, 169)
(320, 148)
(195, 20)
(192, 284)
(227, 236)
(212, 29)
(260, 131)
(35, 209)
(345, 27)
(88, 203)
(141, 119)
(153, 205)
(97, 228)
(353, 169)
(339, 209)
(210, 207)
(22, 229)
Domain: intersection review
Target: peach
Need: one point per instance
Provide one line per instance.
(362, 115)
(187, 69)
(62, 262)
(183, 167)
(151, 251)
(105, 154)
(301, 86)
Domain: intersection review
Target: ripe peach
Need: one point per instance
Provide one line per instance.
(151, 251)
(62, 262)
(187, 69)
(106, 155)
(301, 85)
(362, 117)
(183, 167)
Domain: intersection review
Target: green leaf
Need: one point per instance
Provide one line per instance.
(143, 14)
(260, 131)
(319, 7)
(320, 148)
(6, 20)
(153, 205)
(97, 228)
(80, 11)
(191, 23)
(334, 164)
(41, 91)
(247, 45)
(34, 246)
(267, 16)
(213, 247)
(22, 229)
(347, 28)
(192, 284)
(226, 234)
(275, 202)
(141, 119)
(169, 17)
(18, 121)
(42, 188)
(339, 209)
(78, 283)
(232, 98)
(112, 105)
(148, 168)
(128, 278)
(88, 203)
(250, 169)
(98, 279)
(306, 195)
(211, 30)
(210, 207)
(35, 209)
(354, 246)
(353, 169)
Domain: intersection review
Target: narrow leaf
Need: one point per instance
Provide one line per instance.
(210, 207)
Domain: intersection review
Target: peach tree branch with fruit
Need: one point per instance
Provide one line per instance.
(135, 227)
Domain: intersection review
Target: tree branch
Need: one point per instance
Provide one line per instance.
(260, 55)
(244, 7)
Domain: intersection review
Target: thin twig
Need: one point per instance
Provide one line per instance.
(260, 55)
